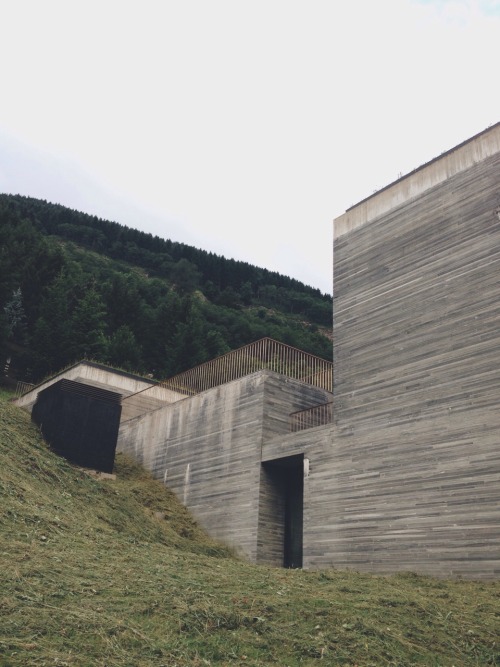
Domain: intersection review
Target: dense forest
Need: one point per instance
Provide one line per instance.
(74, 286)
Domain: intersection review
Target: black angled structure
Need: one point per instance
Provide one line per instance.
(80, 422)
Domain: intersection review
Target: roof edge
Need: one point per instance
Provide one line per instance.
(457, 159)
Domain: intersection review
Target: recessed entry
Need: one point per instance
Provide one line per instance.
(281, 511)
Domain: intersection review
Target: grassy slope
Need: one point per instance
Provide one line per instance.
(90, 576)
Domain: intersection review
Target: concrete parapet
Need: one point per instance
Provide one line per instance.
(89, 373)
(420, 180)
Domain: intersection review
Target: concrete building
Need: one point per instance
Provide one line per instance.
(406, 473)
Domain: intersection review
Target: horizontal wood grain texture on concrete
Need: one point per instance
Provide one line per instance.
(424, 500)
(207, 449)
(416, 183)
(417, 304)
(414, 480)
(407, 477)
(96, 375)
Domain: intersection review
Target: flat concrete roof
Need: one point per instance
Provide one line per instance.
(92, 373)
(457, 159)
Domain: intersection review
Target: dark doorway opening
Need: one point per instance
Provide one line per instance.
(294, 512)
(282, 511)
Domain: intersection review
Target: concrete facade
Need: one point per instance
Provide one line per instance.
(104, 377)
(417, 371)
(207, 449)
(407, 477)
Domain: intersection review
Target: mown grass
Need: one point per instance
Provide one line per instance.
(117, 573)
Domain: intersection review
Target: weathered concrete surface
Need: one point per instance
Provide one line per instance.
(420, 180)
(207, 448)
(408, 475)
(425, 499)
(414, 475)
(101, 376)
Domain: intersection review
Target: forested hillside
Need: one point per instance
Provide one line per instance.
(74, 286)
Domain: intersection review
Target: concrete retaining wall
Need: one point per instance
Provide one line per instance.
(207, 448)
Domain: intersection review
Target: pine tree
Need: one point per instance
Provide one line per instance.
(188, 347)
(88, 327)
(15, 318)
(123, 350)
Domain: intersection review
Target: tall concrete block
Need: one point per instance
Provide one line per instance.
(407, 476)
(417, 372)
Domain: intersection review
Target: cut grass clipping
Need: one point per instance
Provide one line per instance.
(117, 573)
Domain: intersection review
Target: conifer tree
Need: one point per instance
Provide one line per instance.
(123, 349)
(88, 327)
(15, 318)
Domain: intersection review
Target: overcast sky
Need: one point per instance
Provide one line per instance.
(241, 127)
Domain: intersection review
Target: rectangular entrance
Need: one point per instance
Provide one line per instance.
(281, 510)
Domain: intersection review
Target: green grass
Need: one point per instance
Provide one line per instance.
(117, 573)
(5, 394)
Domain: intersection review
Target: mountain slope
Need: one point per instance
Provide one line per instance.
(75, 286)
(116, 573)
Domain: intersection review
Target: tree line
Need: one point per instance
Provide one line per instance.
(74, 286)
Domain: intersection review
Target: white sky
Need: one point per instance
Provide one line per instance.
(240, 127)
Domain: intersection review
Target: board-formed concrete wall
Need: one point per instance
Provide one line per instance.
(416, 183)
(207, 448)
(140, 395)
(407, 477)
(386, 500)
(415, 476)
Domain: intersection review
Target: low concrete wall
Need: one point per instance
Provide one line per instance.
(420, 496)
(147, 400)
(207, 449)
(107, 378)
